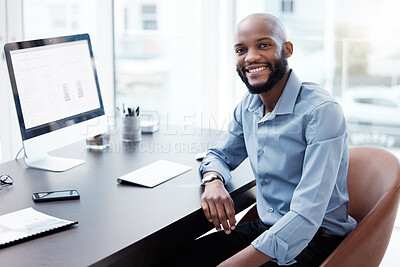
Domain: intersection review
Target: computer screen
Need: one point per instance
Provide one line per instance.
(56, 93)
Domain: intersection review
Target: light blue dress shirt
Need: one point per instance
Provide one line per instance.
(299, 156)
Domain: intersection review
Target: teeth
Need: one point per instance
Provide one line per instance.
(257, 69)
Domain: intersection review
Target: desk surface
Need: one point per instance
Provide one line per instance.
(118, 224)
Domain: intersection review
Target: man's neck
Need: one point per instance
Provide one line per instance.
(271, 97)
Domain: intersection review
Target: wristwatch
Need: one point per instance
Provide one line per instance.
(209, 178)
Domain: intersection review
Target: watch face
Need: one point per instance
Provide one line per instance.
(209, 178)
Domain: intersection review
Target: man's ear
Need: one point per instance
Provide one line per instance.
(288, 46)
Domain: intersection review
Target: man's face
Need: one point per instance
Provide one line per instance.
(261, 58)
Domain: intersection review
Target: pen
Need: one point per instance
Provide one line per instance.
(119, 112)
(131, 112)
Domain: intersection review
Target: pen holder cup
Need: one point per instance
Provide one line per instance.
(131, 131)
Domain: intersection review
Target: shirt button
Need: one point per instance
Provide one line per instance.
(260, 152)
(271, 209)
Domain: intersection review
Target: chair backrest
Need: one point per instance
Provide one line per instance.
(373, 183)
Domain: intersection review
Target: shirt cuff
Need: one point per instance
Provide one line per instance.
(212, 163)
(274, 247)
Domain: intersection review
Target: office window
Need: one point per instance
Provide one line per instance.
(175, 58)
(53, 18)
(156, 66)
(149, 17)
(287, 6)
(126, 18)
(354, 57)
(49, 18)
(149, 25)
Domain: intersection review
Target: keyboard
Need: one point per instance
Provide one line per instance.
(154, 173)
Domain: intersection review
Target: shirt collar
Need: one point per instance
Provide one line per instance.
(287, 100)
(289, 95)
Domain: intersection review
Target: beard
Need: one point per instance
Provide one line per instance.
(278, 71)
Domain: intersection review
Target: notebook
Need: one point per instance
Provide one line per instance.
(154, 173)
(25, 223)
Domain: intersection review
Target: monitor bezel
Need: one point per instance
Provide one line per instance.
(62, 123)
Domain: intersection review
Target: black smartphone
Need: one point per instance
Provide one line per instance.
(55, 195)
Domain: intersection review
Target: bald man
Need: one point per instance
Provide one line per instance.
(294, 135)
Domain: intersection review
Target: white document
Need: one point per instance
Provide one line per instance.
(27, 222)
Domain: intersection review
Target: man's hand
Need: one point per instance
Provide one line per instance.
(218, 206)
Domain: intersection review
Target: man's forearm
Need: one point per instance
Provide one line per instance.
(247, 257)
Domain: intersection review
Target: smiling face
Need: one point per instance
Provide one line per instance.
(261, 52)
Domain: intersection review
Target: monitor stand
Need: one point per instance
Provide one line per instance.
(50, 163)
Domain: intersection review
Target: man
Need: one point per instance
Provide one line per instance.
(294, 135)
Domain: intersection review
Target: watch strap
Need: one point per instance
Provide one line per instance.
(211, 177)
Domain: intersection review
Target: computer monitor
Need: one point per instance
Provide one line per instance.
(57, 96)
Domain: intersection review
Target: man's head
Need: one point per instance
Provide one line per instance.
(261, 52)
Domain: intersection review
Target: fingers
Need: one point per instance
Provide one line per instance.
(211, 213)
(230, 213)
(215, 217)
(220, 212)
(206, 211)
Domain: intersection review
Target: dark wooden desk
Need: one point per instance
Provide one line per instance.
(118, 224)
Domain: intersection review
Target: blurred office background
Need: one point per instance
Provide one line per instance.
(177, 57)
